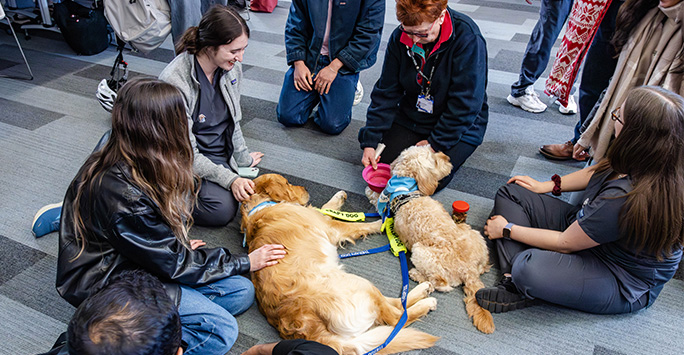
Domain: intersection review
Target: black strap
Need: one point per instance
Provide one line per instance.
(119, 72)
(401, 200)
(425, 91)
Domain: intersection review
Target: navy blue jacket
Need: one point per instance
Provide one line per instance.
(458, 88)
(355, 31)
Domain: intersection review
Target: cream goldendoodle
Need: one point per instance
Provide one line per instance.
(442, 252)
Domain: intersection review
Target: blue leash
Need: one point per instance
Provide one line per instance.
(404, 290)
(399, 250)
(366, 252)
(404, 294)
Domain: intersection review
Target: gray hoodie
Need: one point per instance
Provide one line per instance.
(181, 73)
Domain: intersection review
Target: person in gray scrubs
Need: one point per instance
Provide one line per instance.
(208, 71)
(613, 252)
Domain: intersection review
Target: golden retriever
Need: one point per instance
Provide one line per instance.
(442, 252)
(308, 295)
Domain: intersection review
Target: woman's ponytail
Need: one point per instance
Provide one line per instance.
(189, 41)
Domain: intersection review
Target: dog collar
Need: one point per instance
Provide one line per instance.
(261, 206)
(396, 186)
(255, 209)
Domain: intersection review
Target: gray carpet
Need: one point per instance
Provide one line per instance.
(48, 127)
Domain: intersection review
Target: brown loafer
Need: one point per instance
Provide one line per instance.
(557, 151)
(561, 151)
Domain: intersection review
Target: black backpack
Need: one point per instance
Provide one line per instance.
(83, 28)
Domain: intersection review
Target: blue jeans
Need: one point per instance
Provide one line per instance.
(552, 16)
(188, 13)
(207, 314)
(599, 66)
(334, 112)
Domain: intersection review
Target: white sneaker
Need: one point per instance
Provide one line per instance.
(358, 95)
(529, 102)
(570, 109)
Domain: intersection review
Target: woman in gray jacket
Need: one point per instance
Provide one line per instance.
(208, 72)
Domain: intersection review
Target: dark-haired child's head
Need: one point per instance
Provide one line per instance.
(131, 315)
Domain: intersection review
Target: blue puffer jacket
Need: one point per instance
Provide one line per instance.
(355, 31)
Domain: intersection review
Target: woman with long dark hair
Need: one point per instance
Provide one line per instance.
(130, 207)
(613, 252)
(208, 72)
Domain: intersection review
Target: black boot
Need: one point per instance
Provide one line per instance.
(502, 297)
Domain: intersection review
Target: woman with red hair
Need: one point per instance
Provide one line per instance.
(432, 86)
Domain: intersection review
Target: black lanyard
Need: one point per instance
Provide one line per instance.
(424, 91)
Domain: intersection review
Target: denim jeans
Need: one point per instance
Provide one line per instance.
(188, 13)
(599, 66)
(552, 16)
(334, 112)
(207, 314)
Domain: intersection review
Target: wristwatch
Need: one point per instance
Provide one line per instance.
(507, 231)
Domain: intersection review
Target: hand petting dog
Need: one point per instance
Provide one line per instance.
(266, 255)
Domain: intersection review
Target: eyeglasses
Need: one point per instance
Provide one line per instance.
(615, 115)
(419, 35)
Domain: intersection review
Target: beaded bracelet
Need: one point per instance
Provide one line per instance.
(556, 185)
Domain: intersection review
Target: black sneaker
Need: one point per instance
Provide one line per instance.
(502, 297)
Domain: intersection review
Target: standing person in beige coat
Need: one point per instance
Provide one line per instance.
(650, 41)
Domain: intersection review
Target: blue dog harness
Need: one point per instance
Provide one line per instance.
(396, 186)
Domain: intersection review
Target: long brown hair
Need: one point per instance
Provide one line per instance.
(150, 136)
(220, 25)
(628, 18)
(650, 149)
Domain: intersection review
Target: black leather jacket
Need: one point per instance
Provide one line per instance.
(125, 230)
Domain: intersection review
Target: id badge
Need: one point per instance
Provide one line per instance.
(425, 103)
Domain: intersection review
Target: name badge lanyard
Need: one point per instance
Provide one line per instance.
(425, 101)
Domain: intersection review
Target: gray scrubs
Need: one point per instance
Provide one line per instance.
(213, 128)
(609, 278)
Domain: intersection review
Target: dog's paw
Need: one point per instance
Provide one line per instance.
(340, 195)
(417, 276)
(372, 196)
(444, 288)
(425, 288)
(441, 284)
(431, 302)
